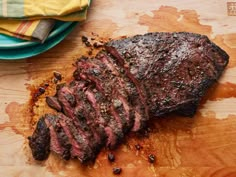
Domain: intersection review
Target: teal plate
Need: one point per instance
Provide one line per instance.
(7, 42)
(29, 51)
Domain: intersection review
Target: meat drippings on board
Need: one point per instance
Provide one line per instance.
(128, 82)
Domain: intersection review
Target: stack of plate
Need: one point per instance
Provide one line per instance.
(12, 48)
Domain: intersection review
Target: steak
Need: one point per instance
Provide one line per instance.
(128, 82)
(175, 68)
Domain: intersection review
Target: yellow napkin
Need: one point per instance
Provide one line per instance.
(27, 18)
(28, 30)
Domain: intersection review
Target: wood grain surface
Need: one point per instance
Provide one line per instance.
(204, 146)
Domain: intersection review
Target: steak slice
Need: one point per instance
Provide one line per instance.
(66, 99)
(59, 141)
(39, 142)
(175, 68)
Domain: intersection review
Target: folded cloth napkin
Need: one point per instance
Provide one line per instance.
(37, 30)
(34, 19)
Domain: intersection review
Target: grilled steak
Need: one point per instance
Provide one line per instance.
(175, 68)
(118, 90)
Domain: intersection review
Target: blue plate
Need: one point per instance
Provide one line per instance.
(7, 42)
(35, 49)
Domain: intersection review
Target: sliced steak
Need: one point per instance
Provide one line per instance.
(80, 144)
(104, 117)
(39, 142)
(85, 112)
(106, 83)
(118, 90)
(103, 120)
(130, 87)
(109, 80)
(94, 136)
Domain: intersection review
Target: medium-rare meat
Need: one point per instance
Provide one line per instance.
(79, 143)
(85, 111)
(59, 141)
(109, 82)
(104, 117)
(67, 100)
(129, 92)
(141, 109)
(129, 81)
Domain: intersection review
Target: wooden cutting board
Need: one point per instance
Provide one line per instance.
(202, 146)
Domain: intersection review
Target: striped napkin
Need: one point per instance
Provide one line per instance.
(34, 19)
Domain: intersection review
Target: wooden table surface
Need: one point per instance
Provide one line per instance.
(203, 146)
